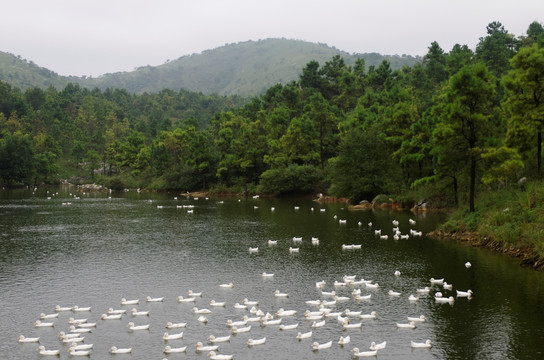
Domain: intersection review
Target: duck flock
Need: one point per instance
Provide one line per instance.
(75, 325)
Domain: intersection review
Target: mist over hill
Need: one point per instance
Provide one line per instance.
(246, 69)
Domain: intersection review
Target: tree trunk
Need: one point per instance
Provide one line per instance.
(455, 191)
(472, 182)
(539, 152)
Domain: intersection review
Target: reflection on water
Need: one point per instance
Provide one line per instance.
(97, 250)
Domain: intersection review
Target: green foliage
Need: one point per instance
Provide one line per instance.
(292, 179)
(116, 184)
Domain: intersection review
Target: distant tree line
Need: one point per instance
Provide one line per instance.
(454, 121)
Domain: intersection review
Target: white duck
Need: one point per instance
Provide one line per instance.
(129, 302)
(317, 324)
(49, 316)
(468, 264)
(426, 344)
(240, 306)
(318, 346)
(437, 281)
(201, 347)
(43, 351)
(424, 290)
(420, 318)
(115, 350)
(229, 285)
(236, 323)
(201, 311)
(192, 293)
(344, 340)
(447, 286)
(72, 340)
(75, 330)
(63, 335)
(352, 326)
(116, 312)
(218, 303)
(288, 327)
(278, 293)
(23, 339)
(135, 312)
(444, 300)
(133, 327)
(167, 336)
(267, 275)
(157, 299)
(253, 342)
(379, 346)
(168, 350)
(39, 323)
(170, 325)
(219, 339)
(265, 322)
(236, 330)
(215, 356)
(250, 302)
(394, 293)
(79, 352)
(410, 325)
(372, 315)
(305, 335)
(60, 308)
(467, 293)
(181, 299)
(75, 346)
(358, 353)
(282, 312)
(413, 298)
(71, 320)
(111, 317)
(77, 308)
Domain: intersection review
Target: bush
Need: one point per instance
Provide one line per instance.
(291, 179)
(116, 184)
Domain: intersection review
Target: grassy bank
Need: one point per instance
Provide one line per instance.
(507, 220)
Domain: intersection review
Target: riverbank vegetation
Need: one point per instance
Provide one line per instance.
(459, 127)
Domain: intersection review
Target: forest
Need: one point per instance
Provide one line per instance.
(449, 127)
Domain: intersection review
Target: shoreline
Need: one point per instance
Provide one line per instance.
(525, 255)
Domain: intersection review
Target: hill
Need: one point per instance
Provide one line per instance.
(245, 68)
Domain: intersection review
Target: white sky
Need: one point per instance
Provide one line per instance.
(94, 37)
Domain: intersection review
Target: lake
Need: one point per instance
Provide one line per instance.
(56, 249)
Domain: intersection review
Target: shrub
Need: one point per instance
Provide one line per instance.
(291, 179)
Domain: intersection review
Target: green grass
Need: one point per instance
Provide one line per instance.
(513, 216)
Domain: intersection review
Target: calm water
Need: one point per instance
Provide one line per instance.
(98, 250)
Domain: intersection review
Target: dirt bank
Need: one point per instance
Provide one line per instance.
(525, 255)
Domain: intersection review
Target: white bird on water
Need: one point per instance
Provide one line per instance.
(43, 351)
(426, 344)
(215, 356)
(23, 339)
(115, 350)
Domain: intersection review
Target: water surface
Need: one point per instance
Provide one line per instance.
(95, 250)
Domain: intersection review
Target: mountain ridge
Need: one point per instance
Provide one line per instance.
(245, 68)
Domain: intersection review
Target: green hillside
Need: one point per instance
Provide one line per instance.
(25, 74)
(246, 68)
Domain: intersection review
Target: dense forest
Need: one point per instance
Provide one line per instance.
(453, 124)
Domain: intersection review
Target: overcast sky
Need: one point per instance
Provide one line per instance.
(94, 37)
